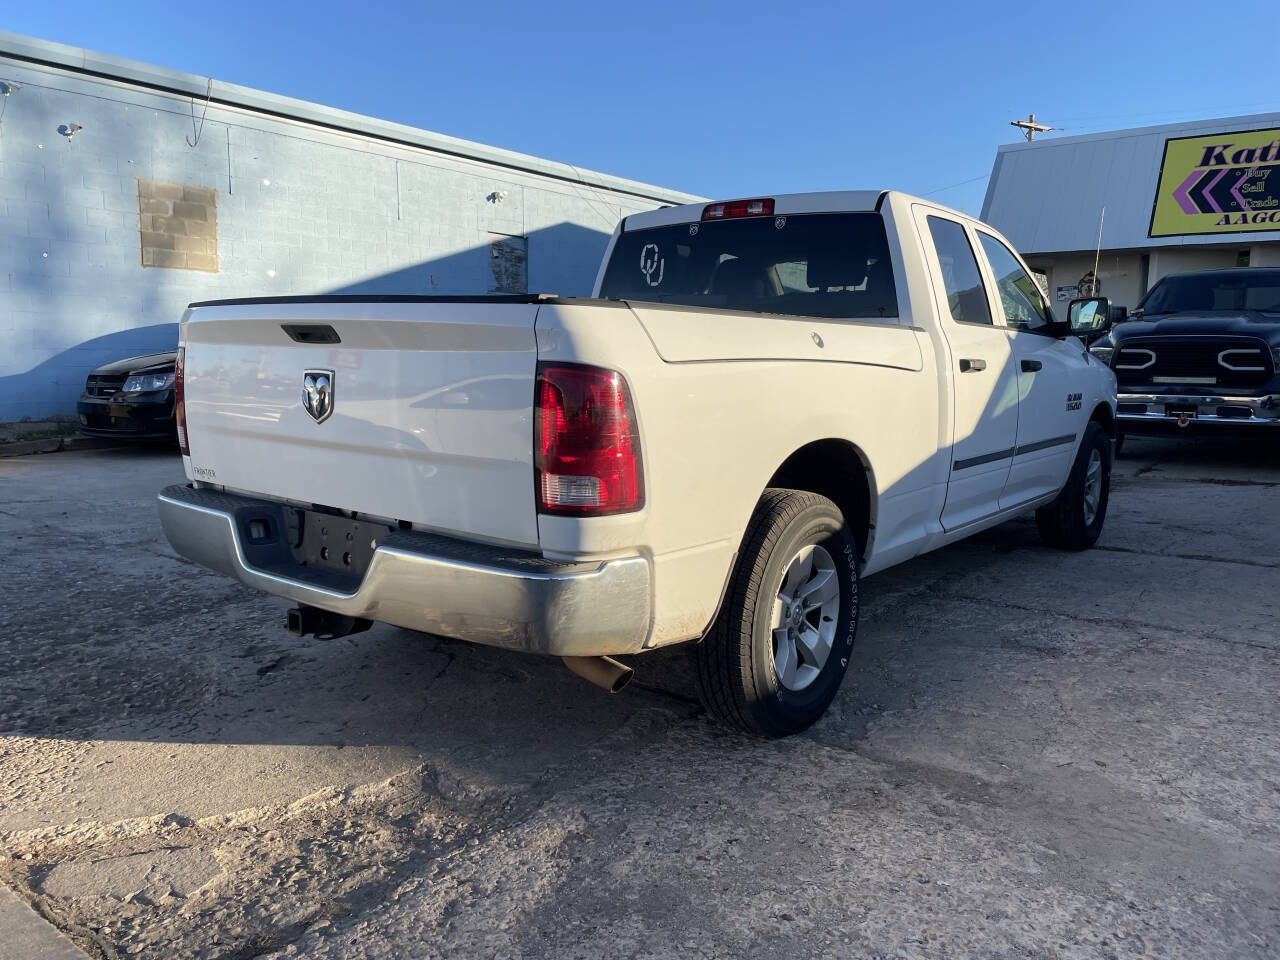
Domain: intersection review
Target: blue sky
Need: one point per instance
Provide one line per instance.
(721, 99)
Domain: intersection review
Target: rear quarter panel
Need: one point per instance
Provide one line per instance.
(713, 432)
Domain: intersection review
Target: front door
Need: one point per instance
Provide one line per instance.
(984, 386)
(1050, 374)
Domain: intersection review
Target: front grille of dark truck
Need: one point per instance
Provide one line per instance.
(1154, 362)
(103, 386)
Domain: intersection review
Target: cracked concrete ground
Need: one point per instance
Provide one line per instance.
(1035, 755)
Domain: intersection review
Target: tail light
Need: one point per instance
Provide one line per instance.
(179, 402)
(587, 449)
(738, 208)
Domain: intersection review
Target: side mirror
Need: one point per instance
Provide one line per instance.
(1089, 317)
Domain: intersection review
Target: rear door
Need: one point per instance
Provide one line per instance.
(985, 390)
(1050, 375)
(415, 410)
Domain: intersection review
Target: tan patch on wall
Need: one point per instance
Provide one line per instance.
(178, 225)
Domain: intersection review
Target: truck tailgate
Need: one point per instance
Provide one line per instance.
(431, 416)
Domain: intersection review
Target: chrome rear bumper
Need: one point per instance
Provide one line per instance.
(1138, 408)
(434, 584)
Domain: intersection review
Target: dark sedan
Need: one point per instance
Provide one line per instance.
(1201, 353)
(130, 399)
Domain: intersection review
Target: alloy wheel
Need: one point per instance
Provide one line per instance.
(805, 613)
(1092, 486)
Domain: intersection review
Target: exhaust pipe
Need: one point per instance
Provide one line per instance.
(604, 672)
(303, 620)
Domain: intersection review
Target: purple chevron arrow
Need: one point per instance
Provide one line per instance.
(1239, 197)
(1208, 194)
(1181, 194)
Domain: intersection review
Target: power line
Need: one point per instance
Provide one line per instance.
(962, 183)
(198, 133)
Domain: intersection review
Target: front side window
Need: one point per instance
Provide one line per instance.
(1024, 306)
(832, 265)
(966, 293)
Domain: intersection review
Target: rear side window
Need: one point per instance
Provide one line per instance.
(833, 265)
(966, 293)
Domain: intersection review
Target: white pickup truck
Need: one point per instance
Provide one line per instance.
(765, 401)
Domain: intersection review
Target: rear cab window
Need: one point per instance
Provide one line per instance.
(830, 265)
(966, 293)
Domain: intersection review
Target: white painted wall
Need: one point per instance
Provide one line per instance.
(1264, 255)
(1165, 262)
(301, 209)
(1120, 274)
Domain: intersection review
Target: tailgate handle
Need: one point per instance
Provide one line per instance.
(311, 332)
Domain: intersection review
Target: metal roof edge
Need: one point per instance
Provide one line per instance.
(1260, 120)
(175, 82)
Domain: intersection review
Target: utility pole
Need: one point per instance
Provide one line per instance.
(1030, 127)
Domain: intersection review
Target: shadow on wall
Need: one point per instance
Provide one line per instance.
(52, 385)
(562, 259)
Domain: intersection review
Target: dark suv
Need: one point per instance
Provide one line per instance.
(1200, 352)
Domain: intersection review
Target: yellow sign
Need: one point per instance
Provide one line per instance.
(1222, 183)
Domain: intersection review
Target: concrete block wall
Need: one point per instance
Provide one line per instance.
(299, 209)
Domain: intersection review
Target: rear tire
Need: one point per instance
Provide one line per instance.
(777, 653)
(1074, 520)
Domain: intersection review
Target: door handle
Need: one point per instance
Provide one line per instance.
(972, 365)
(1031, 366)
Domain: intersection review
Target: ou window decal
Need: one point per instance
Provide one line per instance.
(652, 264)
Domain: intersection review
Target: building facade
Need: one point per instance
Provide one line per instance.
(1168, 199)
(128, 191)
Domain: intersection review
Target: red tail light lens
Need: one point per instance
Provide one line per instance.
(587, 450)
(179, 402)
(762, 207)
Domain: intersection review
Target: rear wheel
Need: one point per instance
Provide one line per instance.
(776, 655)
(1074, 520)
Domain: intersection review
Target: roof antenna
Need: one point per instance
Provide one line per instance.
(1097, 253)
(1030, 128)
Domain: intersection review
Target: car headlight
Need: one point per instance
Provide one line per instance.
(1103, 352)
(148, 381)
